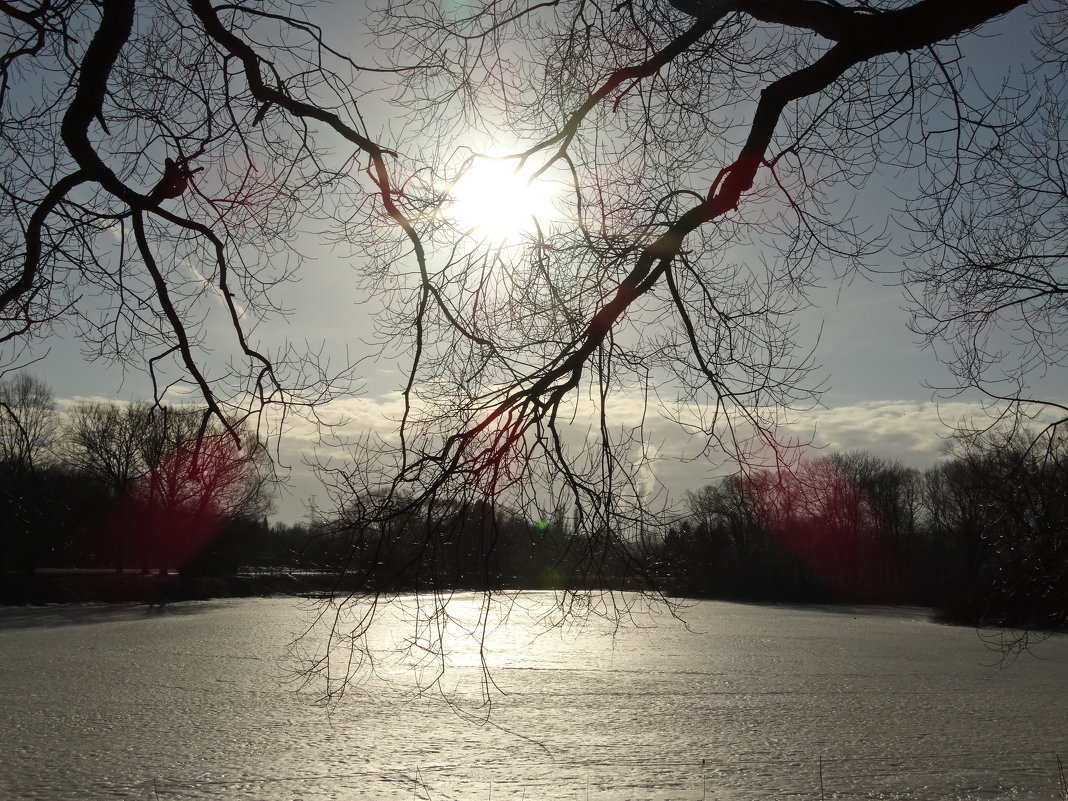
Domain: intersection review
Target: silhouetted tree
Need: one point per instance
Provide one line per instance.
(684, 142)
(176, 478)
(890, 493)
(197, 477)
(954, 496)
(162, 157)
(840, 527)
(105, 441)
(28, 426)
(1001, 504)
(28, 421)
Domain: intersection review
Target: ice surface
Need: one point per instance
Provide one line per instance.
(197, 701)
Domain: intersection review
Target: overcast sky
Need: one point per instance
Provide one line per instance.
(878, 380)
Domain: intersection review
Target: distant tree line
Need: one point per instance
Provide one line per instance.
(983, 535)
(123, 485)
(138, 486)
(477, 545)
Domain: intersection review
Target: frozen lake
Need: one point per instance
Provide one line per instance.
(196, 701)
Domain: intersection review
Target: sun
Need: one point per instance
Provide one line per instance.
(496, 202)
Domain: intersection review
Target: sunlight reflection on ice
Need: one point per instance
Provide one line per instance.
(738, 702)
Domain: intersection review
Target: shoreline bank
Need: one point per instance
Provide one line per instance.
(73, 587)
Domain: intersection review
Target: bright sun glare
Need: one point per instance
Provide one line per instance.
(496, 202)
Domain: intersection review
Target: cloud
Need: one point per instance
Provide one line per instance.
(344, 419)
(667, 455)
(913, 433)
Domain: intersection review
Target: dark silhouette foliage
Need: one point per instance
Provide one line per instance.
(983, 536)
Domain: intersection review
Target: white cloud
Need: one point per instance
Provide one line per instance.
(346, 418)
(913, 433)
(910, 432)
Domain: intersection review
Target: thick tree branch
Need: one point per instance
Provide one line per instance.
(912, 27)
(870, 35)
(250, 63)
(32, 259)
(112, 33)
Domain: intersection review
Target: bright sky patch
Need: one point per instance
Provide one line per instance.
(495, 201)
